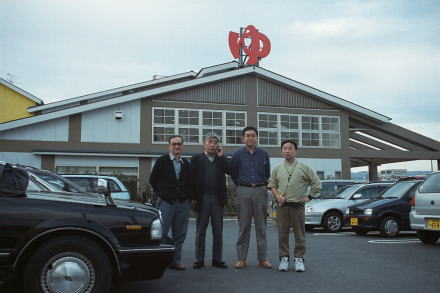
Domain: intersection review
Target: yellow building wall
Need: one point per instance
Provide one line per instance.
(13, 105)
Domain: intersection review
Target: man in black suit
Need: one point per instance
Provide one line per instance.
(209, 196)
(170, 180)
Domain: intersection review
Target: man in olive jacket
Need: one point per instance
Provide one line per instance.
(208, 197)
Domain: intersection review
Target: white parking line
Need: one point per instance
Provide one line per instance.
(393, 241)
(334, 234)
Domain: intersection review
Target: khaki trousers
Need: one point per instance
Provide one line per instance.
(288, 217)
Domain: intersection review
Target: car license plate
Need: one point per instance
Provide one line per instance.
(433, 224)
(354, 221)
(274, 214)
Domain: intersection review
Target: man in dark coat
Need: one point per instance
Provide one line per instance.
(209, 196)
(170, 180)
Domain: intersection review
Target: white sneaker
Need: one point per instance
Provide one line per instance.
(284, 264)
(299, 264)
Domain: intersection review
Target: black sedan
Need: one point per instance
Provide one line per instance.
(74, 242)
(388, 213)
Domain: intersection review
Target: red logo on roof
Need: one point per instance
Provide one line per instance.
(255, 50)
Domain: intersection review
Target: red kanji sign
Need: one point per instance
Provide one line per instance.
(259, 46)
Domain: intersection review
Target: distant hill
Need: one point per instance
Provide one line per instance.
(363, 175)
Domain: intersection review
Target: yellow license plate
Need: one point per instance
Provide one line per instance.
(274, 214)
(433, 224)
(354, 221)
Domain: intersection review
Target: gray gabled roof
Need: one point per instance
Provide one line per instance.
(190, 79)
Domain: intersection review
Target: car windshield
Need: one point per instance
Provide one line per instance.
(342, 193)
(397, 190)
(58, 183)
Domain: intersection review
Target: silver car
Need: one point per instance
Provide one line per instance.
(425, 210)
(328, 211)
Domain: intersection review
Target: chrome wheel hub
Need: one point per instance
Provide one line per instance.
(391, 227)
(334, 223)
(68, 272)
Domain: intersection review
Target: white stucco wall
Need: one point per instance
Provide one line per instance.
(52, 130)
(101, 126)
(21, 158)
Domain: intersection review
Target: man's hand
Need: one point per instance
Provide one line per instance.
(281, 198)
(304, 199)
(220, 152)
(193, 204)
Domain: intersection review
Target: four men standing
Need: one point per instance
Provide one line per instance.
(175, 182)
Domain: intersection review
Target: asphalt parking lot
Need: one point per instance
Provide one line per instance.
(342, 262)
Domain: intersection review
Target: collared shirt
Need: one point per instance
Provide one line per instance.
(177, 165)
(210, 158)
(301, 177)
(250, 168)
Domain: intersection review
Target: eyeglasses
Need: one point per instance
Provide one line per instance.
(176, 144)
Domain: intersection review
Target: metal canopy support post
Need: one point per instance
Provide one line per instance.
(372, 172)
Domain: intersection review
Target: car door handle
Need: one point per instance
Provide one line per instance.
(432, 202)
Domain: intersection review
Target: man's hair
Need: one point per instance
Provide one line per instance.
(249, 128)
(289, 141)
(174, 136)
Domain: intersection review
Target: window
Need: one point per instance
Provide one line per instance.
(233, 136)
(212, 118)
(162, 133)
(310, 139)
(193, 125)
(306, 130)
(164, 116)
(189, 134)
(268, 137)
(289, 122)
(321, 175)
(329, 123)
(235, 119)
(187, 117)
(310, 122)
(267, 120)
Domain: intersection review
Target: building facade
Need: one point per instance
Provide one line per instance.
(125, 129)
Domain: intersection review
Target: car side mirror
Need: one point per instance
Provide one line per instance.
(357, 196)
(103, 187)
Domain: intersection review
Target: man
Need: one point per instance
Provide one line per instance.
(250, 172)
(289, 183)
(209, 197)
(170, 180)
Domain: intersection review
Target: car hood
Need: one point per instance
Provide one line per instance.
(127, 204)
(323, 201)
(372, 203)
(85, 198)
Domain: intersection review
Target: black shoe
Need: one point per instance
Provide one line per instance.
(219, 264)
(198, 264)
(177, 267)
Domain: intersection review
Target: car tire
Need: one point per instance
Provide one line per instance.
(332, 222)
(428, 237)
(361, 232)
(389, 227)
(89, 267)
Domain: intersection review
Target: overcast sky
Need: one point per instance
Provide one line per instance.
(383, 55)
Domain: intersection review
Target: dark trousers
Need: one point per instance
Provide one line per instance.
(210, 209)
(175, 217)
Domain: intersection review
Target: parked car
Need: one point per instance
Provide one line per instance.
(90, 184)
(327, 211)
(425, 211)
(388, 213)
(330, 186)
(56, 182)
(50, 241)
